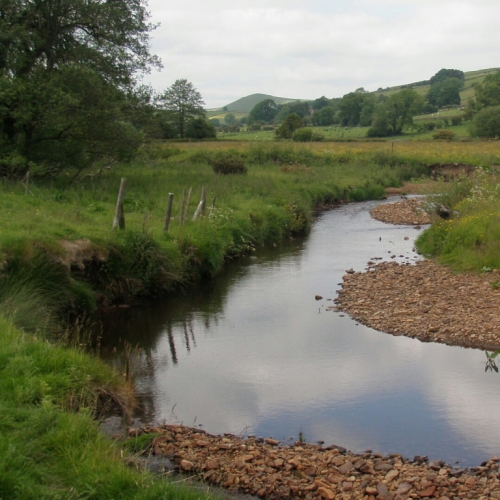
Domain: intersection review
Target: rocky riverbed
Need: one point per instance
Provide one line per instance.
(425, 301)
(264, 468)
(408, 211)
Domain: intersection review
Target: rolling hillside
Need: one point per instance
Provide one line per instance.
(243, 106)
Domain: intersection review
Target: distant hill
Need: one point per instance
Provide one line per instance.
(245, 104)
(471, 78)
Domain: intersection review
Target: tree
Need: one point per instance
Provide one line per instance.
(486, 123)
(300, 108)
(68, 94)
(183, 103)
(319, 103)
(325, 116)
(488, 92)
(283, 112)
(351, 106)
(445, 92)
(396, 113)
(291, 123)
(264, 111)
(444, 74)
(200, 128)
(229, 119)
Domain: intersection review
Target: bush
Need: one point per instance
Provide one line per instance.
(456, 120)
(199, 128)
(255, 127)
(307, 135)
(228, 162)
(430, 126)
(486, 123)
(444, 135)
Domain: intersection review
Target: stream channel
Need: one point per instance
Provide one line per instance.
(253, 352)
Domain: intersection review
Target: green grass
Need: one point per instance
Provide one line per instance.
(285, 182)
(470, 240)
(50, 444)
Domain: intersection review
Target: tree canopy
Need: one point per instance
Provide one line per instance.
(444, 74)
(397, 112)
(488, 92)
(445, 92)
(68, 94)
(263, 111)
(291, 123)
(183, 104)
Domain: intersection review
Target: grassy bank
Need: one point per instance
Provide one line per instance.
(50, 445)
(58, 238)
(470, 239)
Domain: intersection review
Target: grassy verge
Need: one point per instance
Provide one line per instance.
(470, 239)
(50, 445)
(58, 239)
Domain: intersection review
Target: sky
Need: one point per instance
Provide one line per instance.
(306, 49)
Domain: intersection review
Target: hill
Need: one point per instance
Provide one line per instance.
(245, 104)
(471, 78)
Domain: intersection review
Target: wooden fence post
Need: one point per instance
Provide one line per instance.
(26, 189)
(200, 209)
(183, 201)
(203, 201)
(169, 211)
(186, 208)
(119, 220)
(212, 207)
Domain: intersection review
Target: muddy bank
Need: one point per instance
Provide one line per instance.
(264, 468)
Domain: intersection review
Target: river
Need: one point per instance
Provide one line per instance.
(254, 352)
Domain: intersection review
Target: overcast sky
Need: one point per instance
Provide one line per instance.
(305, 49)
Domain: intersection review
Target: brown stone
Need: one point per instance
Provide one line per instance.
(187, 465)
(326, 493)
(271, 441)
(428, 492)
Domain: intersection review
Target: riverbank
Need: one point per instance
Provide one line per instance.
(264, 468)
(426, 301)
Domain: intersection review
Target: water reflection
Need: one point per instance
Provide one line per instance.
(249, 352)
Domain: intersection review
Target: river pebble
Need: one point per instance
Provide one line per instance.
(268, 470)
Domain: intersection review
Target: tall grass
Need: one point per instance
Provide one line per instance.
(470, 239)
(50, 444)
(273, 201)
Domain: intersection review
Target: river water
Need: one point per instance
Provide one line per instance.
(253, 352)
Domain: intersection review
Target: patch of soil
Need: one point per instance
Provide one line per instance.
(427, 187)
(264, 468)
(408, 212)
(425, 301)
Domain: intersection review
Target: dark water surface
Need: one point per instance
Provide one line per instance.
(253, 352)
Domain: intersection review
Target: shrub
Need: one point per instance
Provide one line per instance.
(255, 127)
(456, 120)
(444, 135)
(307, 135)
(430, 126)
(228, 162)
(486, 123)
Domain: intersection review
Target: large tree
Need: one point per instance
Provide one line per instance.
(445, 92)
(488, 92)
(67, 81)
(184, 103)
(397, 112)
(263, 111)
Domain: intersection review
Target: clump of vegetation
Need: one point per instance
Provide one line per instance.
(444, 135)
(228, 162)
(307, 134)
(470, 239)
